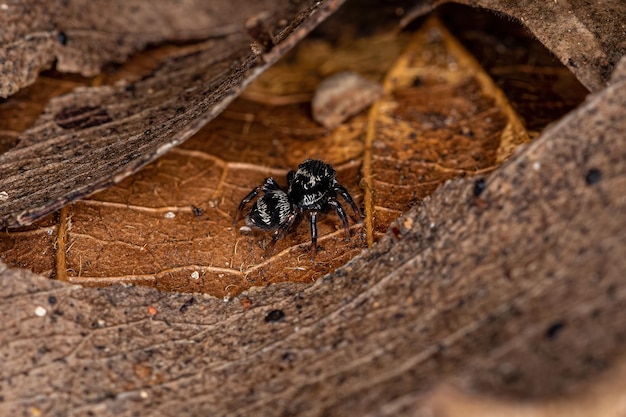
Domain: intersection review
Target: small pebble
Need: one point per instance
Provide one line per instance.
(593, 176)
(40, 311)
(169, 215)
(62, 38)
(195, 275)
(479, 186)
(186, 305)
(274, 316)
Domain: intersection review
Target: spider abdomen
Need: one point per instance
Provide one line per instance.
(269, 211)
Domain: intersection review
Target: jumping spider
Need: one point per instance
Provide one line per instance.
(311, 189)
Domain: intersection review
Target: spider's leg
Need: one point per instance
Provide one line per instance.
(282, 229)
(346, 196)
(284, 226)
(245, 201)
(290, 176)
(313, 224)
(270, 184)
(342, 215)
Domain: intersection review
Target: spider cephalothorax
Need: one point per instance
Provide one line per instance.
(311, 189)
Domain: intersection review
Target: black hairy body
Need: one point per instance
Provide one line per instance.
(311, 189)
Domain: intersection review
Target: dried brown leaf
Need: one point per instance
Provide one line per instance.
(169, 226)
(540, 89)
(89, 47)
(570, 29)
(516, 294)
(109, 132)
(600, 397)
(442, 118)
(82, 36)
(519, 297)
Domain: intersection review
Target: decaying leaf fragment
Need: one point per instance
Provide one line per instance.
(599, 397)
(588, 38)
(441, 117)
(83, 36)
(341, 96)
